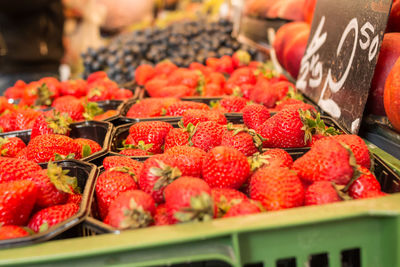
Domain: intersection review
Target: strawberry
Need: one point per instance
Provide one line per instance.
(178, 137)
(12, 231)
(161, 216)
(225, 65)
(216, 78)
(172, 91)
(282, 88)
(241, 58)
(155, 86)
(233, 103)
(53, 185)
(278, 157)
(96, 76)
(75, 199)
(110, 184)
(86, 147)
(189, 199)
(158, 171)
(186, 77)
(165, 67)
(179, 108)
(207, 135)
(144, 73)
(70, 105)
(17, 199)
(131, 209)
(189, 159)
(212, 63)
(150, 107)
(243, 76)
(51, 122)
(22, 154)
(212, 89)
(12, 169)
(245, 207)
(263, 93)
(46, 147)
(76, 88)
(194, 116)
(365, 186)
(25, 119)
(7, 122)
(327, 160)
(10, 146)
(48, 217)
(224, 199)
(246, 141)
(16, 91)
(150, 132)
(254, 115)
(134, 152)
(276, 188)
(225, 167)
(115, 161)
(122, 94)
(106, 115)
(357, 146)
(321, 192)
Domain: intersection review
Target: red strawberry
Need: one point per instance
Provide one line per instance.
(276, 188)
(46, 147)
(133, 152)
(86, 147)
(216, 78)
(365, 186)
(7, 122)
(357, 146)
(16, 91)
(179, 108)
(134, 166)
(321, 192)
(144, 73)
(207, 135)
(53, 185)
(186, 77)
(189, 159)
(150, 132)
(12, 169)
(150, 107)
(225, 167)
(245, 207)
(233, 103)
(158, 171)
(212, 89)
(122, 94)
(51, 122)
(77, 88)
(178, 137)
(107, 114)
(22, 154)
(161, 216)
(327, 160)
(12, 231)
(189, 199)
(225, 64)
(173, 91)
(48, 217)
(278, 157)
(70, 105)
(131, 209)
(110, 184)
(11, 146)
(241, 58)
(155, 86)
(194, 116)
(263, 93)
(96, 76)
(25, 119)
(165, 67)
(75, 199)
(224, 199)
(243, 76)
(282, 88)
(17, 199)
(246, 141)
(254, 115)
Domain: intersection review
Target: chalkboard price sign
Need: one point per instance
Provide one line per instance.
(342, 51)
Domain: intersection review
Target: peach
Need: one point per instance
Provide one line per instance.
(394, 18)
(294, 51)
(308, 10)
(388, 55)
(284, 34)
(392, 96)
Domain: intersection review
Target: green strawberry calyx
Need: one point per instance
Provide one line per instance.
(135, 216)
(3, 141)
(356, 168)
(166, 173)
(224, 205)
(44, 227)
(201, 82)
(86, 151)
(201, 208)
(125, 169)
(258, 140)
(62, 157)
(258, 160)
(44, 96)
(140, 145)
(243, 56)
(60, 179)
(59, 122)
(92, 110)
(313, 125)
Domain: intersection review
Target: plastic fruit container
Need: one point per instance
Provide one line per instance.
(86, 175)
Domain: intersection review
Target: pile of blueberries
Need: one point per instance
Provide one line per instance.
(182, 43)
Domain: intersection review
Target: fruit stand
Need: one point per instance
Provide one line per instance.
(184, 146)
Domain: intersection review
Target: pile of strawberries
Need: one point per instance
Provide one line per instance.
(49, 140)
(190, 183)
(75, 97)
(253, 80)
(33, 199)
